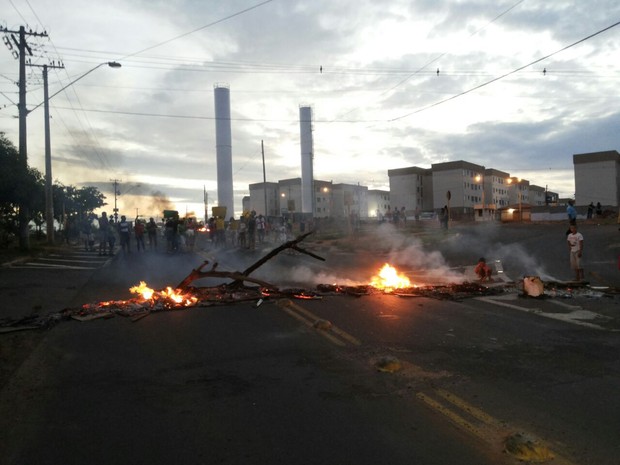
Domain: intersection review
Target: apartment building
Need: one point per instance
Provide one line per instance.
(597, 178)
(378, 202)
(264, 198)
(518, 191)
(323, 199)
(411, 188)
(349, 199)
(458, 185)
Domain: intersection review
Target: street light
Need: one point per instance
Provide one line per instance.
(49, 200)
(480, 178)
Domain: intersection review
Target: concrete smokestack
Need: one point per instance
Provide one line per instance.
(223, 149)
(307, 156)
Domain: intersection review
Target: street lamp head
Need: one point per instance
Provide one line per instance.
(114, 64)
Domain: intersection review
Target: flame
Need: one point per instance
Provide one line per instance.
(174, 295)
(389, 279)
(142, 289)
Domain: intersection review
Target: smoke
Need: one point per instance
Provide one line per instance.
(303, 274)
(158, 202)
(489, 242)
(408, 252)
(520, 262)
(426, 256)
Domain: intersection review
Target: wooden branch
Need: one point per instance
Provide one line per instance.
(194, 275)
(234, 275)
(299, 249)
(287, 245)
(239, 277)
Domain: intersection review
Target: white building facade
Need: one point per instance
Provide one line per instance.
(411, 188)
(457, 185)
(597, 178)
(378, 203)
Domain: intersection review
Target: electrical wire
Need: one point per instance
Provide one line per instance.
(196, 30)
(506, 74)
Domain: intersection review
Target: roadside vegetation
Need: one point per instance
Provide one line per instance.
(24, 187)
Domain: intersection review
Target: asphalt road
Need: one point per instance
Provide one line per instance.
(336, 380)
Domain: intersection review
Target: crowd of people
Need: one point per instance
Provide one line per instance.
(100, 234)
(247, 231)
(251, 230)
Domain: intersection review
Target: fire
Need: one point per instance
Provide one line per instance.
(389, 279)
(174, 295)
(142, 289)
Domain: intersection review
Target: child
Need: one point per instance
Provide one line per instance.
(482, 270)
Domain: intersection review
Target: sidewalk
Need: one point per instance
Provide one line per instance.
(26, 292)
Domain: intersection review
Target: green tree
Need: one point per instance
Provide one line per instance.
(28, 188)
(73, 205)
(17, 187)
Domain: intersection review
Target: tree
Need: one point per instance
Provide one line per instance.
(73, 206)
(28, 189)
(16, 188)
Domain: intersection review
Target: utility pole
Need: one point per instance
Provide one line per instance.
(49, 196)
(116, 193)
(19, 39)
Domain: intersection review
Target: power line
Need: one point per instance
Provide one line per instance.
(422, 68)
(199, 29)
(445, 53)
(200, 117)
(505, 75)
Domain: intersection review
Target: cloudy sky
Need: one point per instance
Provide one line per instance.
(516, 85)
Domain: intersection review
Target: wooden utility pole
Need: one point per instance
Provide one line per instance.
(49, 196)
(116, 193)
(18, 38)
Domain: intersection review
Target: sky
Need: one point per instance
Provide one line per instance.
(515, 85)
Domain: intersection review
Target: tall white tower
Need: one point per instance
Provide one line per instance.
(223, 149)
(307, 156)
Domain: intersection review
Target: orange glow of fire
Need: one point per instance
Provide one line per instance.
(390, 279)
(175, 295)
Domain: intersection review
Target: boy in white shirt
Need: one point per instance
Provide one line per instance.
(575, 247)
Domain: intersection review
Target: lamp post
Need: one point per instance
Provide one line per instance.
(480, 178)
(49, 200)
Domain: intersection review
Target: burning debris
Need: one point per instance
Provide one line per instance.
(390, 279)
(444, 292)
(243, 287)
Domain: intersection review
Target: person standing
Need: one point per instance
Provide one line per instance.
(599, 210)
(260, 228)
(590, 210)
(190, 233)
(139, 233)
(252, 230)
(241, 230)
(575, 247)
(571, 212)
(104, 228)
(111, 235)
(124, 228)
(172, 231)
(151, 230)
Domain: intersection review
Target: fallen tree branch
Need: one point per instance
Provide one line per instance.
(240, 277)
(234, 275)
(287, 245)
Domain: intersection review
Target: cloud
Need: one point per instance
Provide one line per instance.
(377, 104)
